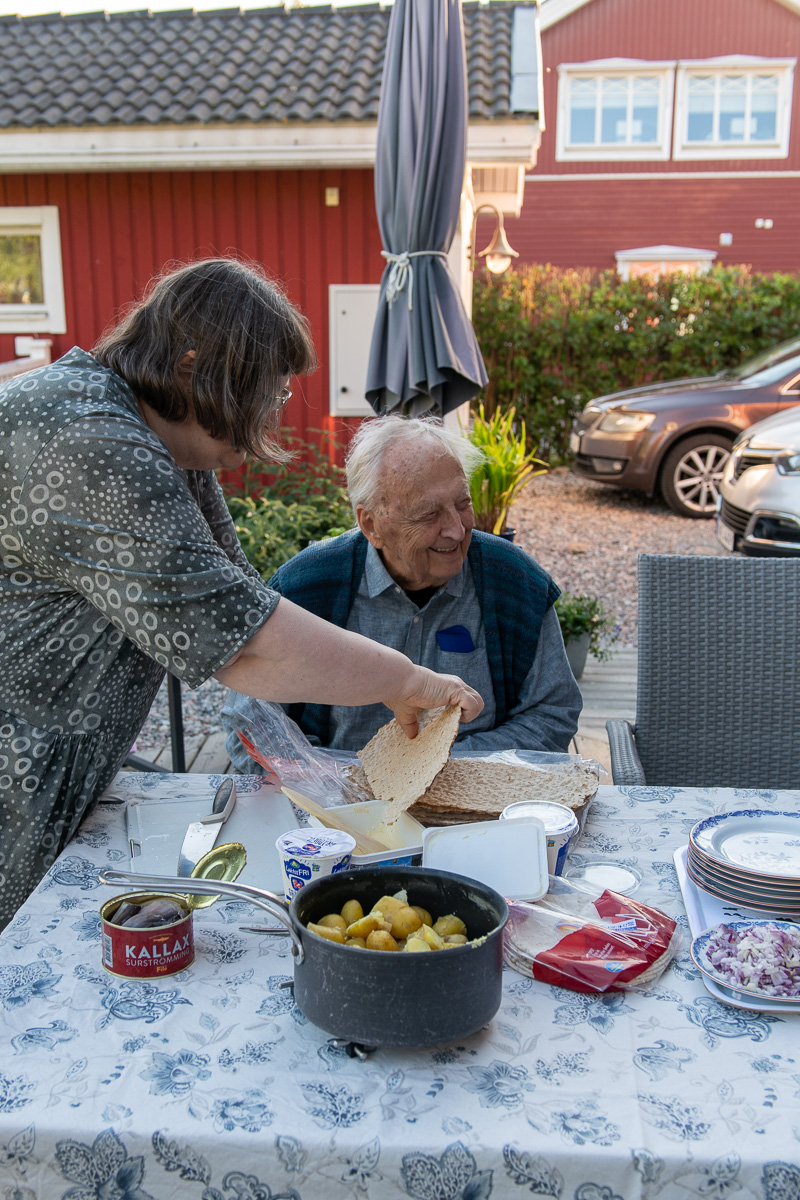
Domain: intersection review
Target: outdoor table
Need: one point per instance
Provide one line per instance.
(212, 1084)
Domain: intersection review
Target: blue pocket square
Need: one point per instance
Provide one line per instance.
(455, 640)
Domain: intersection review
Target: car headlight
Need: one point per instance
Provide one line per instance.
(788, 463)
(620, 421)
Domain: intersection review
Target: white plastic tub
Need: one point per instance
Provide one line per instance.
(404, 838)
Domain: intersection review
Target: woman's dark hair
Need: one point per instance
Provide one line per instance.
(246, 335)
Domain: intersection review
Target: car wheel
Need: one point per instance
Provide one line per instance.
(691, 474)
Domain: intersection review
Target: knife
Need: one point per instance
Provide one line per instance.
(201, 835)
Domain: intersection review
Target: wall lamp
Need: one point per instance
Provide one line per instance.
(498, 254)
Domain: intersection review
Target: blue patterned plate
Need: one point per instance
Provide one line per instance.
(699, 952)
(754, 841)
(741, 898)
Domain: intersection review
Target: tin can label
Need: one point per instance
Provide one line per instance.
(145, 953)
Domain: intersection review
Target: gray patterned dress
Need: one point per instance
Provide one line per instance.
(115, 565)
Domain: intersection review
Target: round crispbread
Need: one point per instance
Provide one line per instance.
(400, 769)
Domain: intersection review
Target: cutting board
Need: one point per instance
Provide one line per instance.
(157, 818)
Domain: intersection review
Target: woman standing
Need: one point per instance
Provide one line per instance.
(120, 561)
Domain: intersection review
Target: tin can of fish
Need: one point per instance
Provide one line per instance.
(148, 953)
(560, 826)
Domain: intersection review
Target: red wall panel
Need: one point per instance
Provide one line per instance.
(120, 229)
(581, 223)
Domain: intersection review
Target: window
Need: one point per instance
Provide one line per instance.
(31, 282)
(614, 109)
(735, 107)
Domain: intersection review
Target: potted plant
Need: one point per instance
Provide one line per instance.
(507, 465)
(587, 627)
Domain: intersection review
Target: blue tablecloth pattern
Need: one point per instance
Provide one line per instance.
(211, 1084)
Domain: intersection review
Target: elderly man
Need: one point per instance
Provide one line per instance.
(416, 577)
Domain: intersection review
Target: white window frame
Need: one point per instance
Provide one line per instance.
(604, 67)
(734, 64)
(49, 317)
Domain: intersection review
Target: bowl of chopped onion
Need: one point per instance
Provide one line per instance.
(755, 958)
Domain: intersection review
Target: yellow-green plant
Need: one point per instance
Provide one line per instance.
(507, 465)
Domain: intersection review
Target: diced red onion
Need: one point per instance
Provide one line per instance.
(757, 958)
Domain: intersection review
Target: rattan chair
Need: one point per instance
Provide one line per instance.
(719, 657)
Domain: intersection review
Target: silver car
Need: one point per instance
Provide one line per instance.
(759, 504)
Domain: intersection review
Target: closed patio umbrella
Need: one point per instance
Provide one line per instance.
(424, 356)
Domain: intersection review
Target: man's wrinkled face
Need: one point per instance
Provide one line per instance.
(422, 520)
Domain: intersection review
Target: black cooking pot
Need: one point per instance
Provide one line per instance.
(379, 998)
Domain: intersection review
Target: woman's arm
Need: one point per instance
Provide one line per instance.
(295, 656)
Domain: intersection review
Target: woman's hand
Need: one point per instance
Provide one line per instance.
(429, 690)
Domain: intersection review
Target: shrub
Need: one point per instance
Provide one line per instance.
(552, 339)
(279, 511)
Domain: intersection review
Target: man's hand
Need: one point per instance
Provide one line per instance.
(429, 690)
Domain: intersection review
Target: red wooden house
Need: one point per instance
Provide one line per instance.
(130, 141)
(673, 131)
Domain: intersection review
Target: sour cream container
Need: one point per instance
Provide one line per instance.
(308, 854)
(560, 825)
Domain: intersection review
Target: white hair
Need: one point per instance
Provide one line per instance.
(374, 438)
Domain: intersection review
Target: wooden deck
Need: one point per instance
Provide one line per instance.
(608, 689)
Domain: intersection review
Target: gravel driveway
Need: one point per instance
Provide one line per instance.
(589, 537)
(586, 535)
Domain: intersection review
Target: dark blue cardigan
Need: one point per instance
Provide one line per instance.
(325, 577)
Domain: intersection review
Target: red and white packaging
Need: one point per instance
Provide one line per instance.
(590, 943)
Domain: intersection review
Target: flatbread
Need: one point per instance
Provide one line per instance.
(469, 789)
(400, 769)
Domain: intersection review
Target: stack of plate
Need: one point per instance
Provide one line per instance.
(749, 858)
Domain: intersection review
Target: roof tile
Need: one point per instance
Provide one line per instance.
(311, 64)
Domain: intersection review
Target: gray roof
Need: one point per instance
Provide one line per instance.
(228, 66)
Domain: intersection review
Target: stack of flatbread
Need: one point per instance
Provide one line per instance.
(438, 790)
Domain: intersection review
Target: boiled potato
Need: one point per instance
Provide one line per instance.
(366, 925)
(333, 921)
(388, 904)
(379, 939)
(404, 921)
(392, 924)
(332, 935)
(449, 924)
(434, 939)
(352, 911)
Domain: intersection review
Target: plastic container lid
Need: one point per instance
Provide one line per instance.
(557, 817)
(509, 856)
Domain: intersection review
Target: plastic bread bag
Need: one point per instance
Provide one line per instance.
(587, 941)
(278, 744)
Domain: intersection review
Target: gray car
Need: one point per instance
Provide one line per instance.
(759, 509)
(675, 438)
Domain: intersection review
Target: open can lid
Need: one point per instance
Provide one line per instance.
(509, 856)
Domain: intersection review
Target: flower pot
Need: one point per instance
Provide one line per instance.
(508, 534)
(577, 652)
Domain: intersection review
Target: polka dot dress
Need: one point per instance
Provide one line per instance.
(115, 565)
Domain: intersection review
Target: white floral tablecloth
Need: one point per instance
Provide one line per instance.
(212, 1085)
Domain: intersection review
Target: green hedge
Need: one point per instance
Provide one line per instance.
(278, 511)
(552, 339)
